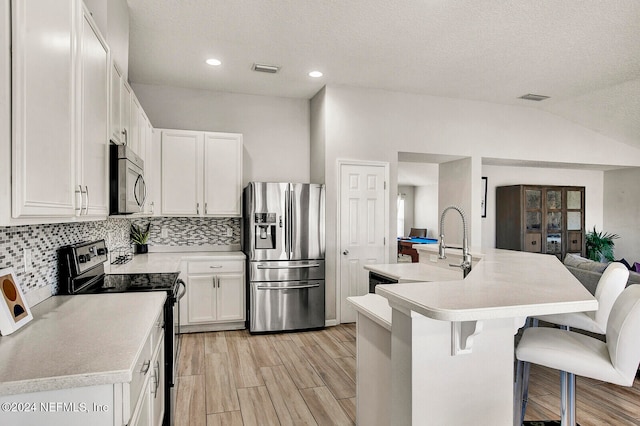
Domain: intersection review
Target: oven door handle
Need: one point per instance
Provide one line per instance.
(182, 284)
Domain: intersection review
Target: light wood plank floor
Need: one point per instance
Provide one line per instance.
(308, 378)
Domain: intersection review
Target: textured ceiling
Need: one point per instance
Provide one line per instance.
(585, 55)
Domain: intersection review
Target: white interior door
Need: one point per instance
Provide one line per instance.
(363, 228)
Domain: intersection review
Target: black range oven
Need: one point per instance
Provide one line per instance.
(81, 268)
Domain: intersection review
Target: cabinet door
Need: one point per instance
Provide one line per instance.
(180, 172)
(201, 298)
(94, 116)
(157, 386)
(151, 165)
(230, 297)
(125, 110)
(43, 91)
(116, 83)
(134, 126)
(142, 416)
(222, 174)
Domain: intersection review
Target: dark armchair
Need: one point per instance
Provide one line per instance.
(418, 232)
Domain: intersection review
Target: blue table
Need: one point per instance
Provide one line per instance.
(405, 246)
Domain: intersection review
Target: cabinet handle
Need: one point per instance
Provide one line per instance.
(197, 208)
(145, 367)
(205, 208)
(574, 241)
(79, 191)
(533, 243)
(124, 132)
(215, 267)
(86, 207)
(156, 381)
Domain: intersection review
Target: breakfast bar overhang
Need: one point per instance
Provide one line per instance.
(452, 342)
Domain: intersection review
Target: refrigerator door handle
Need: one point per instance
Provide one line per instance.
(290, 215)
(287, 225)
(293, 287)
(310, 265)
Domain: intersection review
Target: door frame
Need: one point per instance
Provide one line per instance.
(344, 162)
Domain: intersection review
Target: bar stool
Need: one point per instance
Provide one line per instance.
(610, 285)
(615, 361)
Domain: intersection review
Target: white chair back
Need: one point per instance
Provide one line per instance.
(623, 333)
(610, 285)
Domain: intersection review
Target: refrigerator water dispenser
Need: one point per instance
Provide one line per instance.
(265, 232)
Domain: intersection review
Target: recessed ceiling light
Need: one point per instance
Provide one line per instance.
(532, 97)
(214, 62)
(315, 74)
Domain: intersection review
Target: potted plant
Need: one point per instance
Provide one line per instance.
(139, 237)
(600, 245)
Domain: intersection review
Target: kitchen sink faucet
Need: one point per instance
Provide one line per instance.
(466, 257)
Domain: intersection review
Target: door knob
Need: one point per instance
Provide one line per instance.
(346, 252)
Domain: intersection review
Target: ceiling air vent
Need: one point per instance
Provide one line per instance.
(271, 69)
(532, 97)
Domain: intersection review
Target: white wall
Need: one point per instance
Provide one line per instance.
(592, 180)
(426, 209)
(368, 124)
(454, 189)
(409, 208)
(275, 130)
(622, 211)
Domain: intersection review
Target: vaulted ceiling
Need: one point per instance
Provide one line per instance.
(585, 55)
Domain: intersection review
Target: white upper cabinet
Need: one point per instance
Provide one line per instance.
(222, 174)
(133, 133)
(43, 95)
(92, 181)
(121, 98)
(181, 181)
(201, 173)
(60, 107)
(116, 82)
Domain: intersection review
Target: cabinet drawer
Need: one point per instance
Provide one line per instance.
(533, 243)
(215, 267)
(157, 331)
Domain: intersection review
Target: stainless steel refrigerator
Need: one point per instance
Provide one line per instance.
(284, 243)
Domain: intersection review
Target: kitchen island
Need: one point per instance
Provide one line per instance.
(452, 341)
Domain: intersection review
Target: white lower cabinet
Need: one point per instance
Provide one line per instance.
(138, 402)
(215, 297)
(150, 403)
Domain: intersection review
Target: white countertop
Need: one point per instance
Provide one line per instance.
(415, 272)
(75, 341)
(374, 307)
(503, 284)
(168, 261)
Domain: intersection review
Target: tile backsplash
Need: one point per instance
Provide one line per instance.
(44, 241)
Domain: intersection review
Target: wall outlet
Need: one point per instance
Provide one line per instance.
(229, 232)
(28, 260)
(164, 232)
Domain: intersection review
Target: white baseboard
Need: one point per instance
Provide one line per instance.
(330, 323)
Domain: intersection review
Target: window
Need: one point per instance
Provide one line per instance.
(400, 229)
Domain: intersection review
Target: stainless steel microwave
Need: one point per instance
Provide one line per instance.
(127, 189)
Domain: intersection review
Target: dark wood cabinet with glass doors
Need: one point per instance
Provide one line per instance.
(541, 219)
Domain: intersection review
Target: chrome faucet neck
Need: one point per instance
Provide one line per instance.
(466, 257)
